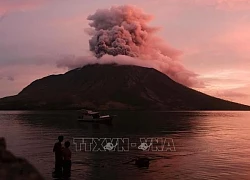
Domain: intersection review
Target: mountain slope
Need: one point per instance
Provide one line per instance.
(113, 87)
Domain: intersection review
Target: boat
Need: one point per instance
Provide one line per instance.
(94, 117)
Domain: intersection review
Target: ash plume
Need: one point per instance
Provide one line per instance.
(124, 30)
(122, 35)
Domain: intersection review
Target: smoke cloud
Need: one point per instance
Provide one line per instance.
(124, 30)
(122, 35)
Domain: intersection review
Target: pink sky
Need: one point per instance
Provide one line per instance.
(213, 36)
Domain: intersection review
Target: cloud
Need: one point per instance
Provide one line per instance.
(9, 78)
(226, 79)
(231, 94)
(2, 16)
(233, 5)
(122, 35)
(8, 6)
(13, 78)
(213, 35)
(224, 5)
(240, 95)
(71, 62)
(230, 84)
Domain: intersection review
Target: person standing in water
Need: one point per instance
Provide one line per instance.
(66, 160)
(58, 150)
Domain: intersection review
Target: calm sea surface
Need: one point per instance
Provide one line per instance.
(209, 145)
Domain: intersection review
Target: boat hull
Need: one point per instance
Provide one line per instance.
(102, 119)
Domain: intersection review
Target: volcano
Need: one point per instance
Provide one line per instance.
(112, 86)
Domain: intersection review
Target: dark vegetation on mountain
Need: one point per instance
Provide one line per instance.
(116, 87)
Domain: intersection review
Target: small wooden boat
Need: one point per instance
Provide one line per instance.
(94, 117)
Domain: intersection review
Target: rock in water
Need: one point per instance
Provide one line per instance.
(15, 168)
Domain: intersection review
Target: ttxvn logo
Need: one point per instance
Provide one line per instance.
(123, 144)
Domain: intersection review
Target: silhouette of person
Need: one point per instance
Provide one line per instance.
(58, 155)
(66, 160)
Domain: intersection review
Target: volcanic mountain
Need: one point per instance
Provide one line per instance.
(111, 86)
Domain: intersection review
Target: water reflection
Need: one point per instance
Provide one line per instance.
(206, 142)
